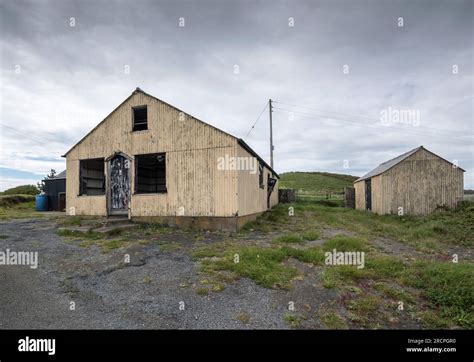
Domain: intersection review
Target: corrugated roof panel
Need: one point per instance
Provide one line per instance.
(388, 164)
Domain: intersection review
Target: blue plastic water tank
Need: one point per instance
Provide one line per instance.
(41, 202)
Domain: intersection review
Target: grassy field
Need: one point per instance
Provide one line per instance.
(314, 186)
(424, 264)
(409, 260)
(17, 206)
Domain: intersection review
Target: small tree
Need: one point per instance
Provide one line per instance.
(49, 176)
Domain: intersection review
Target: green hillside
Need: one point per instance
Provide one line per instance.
(316, 183)
(23, 190)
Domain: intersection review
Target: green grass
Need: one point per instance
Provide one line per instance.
(292, 320)
(71, 221)
(263, 265)
(291, 238)
(106, 242)
(365, 306)
(320, 182)
(152, 229)
(18, 210)
(443, 226)
(170, 247)
(311, 235)
(395, 293)
(202, 291)
(447, 286)
(91, 235)
(376, 268)
(21, 190)
(333, 321)
(13, 200)
(345, 243)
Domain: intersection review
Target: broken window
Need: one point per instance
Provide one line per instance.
(150, 173)
(91, 177)
(260, 176)
(140, 118)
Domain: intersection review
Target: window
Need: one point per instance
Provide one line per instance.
(150, 173)
(260, 176)
(140, 118)
(91, 177)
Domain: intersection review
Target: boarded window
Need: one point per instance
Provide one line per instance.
(150, 175)
(91, 177)
(140, 118)
(260, 176)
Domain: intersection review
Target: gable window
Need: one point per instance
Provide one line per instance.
(260, 176)
(150, 173)
(140, 118)
(91, 177)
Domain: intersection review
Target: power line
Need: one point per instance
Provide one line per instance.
(362, 117)
(361, 124)
(255, 123)
(306, 115)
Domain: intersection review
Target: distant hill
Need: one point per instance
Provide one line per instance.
(316, 182)
(21, 190)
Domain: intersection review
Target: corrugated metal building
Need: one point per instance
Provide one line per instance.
(149, 160)
(414, 183)
(55, 188)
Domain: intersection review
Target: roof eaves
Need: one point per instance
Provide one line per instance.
(241, 142)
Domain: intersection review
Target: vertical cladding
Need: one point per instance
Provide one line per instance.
(418, 185)
(191, 147)
(360, 195)
(251, 198)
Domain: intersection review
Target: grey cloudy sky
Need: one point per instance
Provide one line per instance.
(333, 74)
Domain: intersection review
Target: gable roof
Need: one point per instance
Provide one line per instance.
(387, 165)
(139, 90)
(59, 176)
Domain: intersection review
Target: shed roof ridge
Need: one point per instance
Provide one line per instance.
(387, 165)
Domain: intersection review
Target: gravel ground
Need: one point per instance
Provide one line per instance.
(146, 293)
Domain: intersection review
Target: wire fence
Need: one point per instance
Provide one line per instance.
(305, 195)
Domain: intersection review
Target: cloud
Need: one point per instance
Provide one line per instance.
(59, 81)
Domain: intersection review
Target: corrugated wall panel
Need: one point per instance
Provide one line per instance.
(251, 198)
(359, 195)
(421, 183)
(192, 149)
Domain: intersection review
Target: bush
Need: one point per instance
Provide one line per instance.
(12, 200)
(23, 190)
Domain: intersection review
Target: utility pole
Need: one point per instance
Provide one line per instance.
(270, 108)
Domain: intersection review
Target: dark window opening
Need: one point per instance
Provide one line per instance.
(260, 176)
(91, 177)
(150, 175)
(140, 118)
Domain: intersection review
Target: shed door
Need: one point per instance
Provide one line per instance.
(62, 201)
(368, 194)
(271, 182)
(119, 184)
